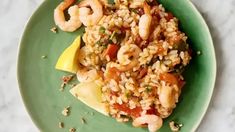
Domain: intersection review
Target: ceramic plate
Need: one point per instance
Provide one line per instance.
(39, 82)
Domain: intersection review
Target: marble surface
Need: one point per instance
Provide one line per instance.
(220, 16)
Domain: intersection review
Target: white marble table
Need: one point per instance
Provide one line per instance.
(220, 15)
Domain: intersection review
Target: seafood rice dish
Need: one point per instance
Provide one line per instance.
(136, 51)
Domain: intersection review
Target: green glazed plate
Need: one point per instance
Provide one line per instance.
(39, 82)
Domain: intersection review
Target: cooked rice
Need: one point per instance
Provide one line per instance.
(162, 55)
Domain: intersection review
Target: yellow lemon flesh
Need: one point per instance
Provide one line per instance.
(68, 60)
(90, 94)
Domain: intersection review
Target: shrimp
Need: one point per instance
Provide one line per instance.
(85, 15)
(145, 22)
(127, 56)
(154, 122)
(86, 75)
(73, 23)
(82, 55)
(84, 12)
(167, 97)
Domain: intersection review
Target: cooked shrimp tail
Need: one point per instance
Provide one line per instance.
(86, 75)
(154, 122)
(85, 15)
(73, 23)
(145, 22)
(128, 56)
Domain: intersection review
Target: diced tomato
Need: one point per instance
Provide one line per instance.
(113, 73)
(140, 43)
(144, 44)
(101, 73)
(140, 11)
(132, 112)
(154, 23)
(135, 112)
(190, 51)
(114, 93)
(181, 83)
(111, 51)
(69, 2)
(175, 40)
(169, 16)
(123, 29)
(160, 49)
(170, 78)
(152, 3)
(156, 14)
(138, 40)
(143, 72)
(152, 111)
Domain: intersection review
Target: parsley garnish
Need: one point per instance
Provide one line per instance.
(148, 89)
(102, 30)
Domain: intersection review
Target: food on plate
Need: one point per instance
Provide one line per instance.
(73, 23)
(154, 122)
(87, 16)
(175, 127)
(131, 62)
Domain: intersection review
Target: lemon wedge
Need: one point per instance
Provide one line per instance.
(90, 94)
(68, 60)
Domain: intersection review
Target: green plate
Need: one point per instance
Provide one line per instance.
(39, 82)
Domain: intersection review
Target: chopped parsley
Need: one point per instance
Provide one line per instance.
(134, 10)
(180, 46)
(113, 35)
(98, 42)
(102, 30)
(128, 94)
(148, 89)
(102, 43)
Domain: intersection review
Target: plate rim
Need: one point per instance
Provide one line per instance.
(214, 67)
(22, 36)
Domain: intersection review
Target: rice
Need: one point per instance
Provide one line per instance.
(140, 81)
